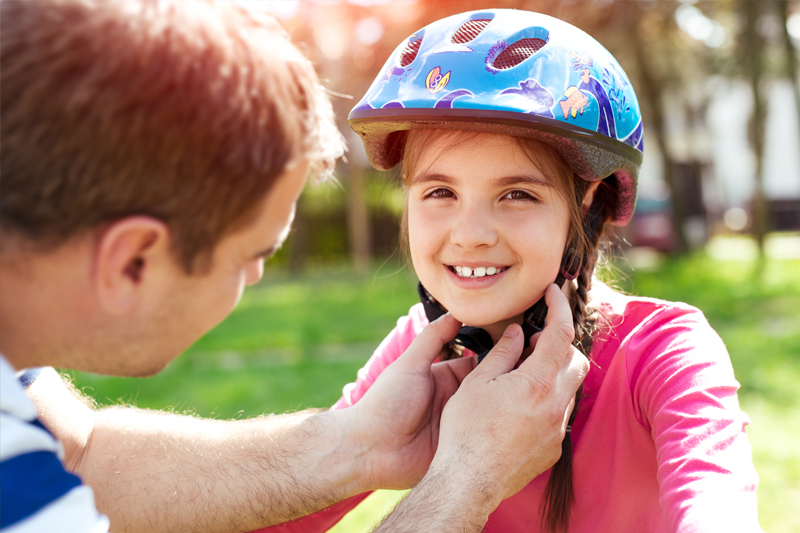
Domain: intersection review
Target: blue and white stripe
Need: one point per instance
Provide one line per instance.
(36, 493)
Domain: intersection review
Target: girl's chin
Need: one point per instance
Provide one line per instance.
(489, 323)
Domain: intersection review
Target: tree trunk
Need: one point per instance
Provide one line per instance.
(358, 227)
(652, 91)
(753, 61)
(791, 55)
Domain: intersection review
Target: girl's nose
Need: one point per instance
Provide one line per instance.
(473, 228)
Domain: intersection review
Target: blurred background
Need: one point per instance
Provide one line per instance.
(717, 222)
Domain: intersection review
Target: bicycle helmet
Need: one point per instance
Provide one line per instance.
(513, 72)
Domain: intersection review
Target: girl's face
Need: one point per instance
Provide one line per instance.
(486, 228)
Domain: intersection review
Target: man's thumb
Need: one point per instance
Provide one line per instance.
(427, 346)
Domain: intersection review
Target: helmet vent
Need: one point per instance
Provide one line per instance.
(469, 30)
(410, 52)
(517, 53)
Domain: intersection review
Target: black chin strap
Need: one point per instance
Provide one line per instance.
(477, 339)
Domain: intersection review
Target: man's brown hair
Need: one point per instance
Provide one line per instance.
(186, 112)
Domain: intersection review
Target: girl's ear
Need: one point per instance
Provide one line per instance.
(131, 257)
(588, 198)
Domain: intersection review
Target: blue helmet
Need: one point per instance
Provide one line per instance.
(512, 72)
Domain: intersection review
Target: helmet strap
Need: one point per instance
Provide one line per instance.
(478, 339)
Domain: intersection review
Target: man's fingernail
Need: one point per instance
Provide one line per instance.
(511, 331)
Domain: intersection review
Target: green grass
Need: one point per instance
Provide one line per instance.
(294, 342)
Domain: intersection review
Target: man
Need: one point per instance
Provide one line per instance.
(152, 155)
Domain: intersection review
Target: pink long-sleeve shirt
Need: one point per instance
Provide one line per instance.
(659, 439)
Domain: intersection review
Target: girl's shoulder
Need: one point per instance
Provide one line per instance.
(646, 329)
(625, 312)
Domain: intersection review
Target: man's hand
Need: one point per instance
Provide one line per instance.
(505, 426)
(502, 428)
(399, 415)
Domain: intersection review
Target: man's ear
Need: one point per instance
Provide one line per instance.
(588, 198)
(130, 257)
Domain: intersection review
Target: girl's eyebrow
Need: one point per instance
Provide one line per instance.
(528, 179)
(426, 178)
(536, 181)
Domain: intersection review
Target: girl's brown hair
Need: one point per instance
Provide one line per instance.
(558, 495)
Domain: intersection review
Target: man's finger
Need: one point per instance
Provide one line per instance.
(427, 346)
(505, 354)
(555, 339)
(573, 371)
(461, 367)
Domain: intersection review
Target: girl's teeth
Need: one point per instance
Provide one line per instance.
(478, 272)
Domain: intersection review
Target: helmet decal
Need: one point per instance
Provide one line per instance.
(452, 48)
(574, 103)
(446, 101)
(538, 98)
(494, 51)
(589, 84)
(436, 81)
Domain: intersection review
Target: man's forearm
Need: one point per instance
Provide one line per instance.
(154, 471)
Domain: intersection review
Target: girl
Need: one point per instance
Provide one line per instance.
(516, 156)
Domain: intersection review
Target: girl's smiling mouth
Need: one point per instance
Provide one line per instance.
(484, 273)
(476, 272)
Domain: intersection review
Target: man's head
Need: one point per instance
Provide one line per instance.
(151, 154)
(186, 112)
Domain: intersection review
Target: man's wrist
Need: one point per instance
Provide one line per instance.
(448, 498)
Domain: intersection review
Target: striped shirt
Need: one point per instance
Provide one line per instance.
(36, 493)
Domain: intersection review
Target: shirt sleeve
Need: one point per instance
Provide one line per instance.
(392, 347)
(37, 493)
(684, 392)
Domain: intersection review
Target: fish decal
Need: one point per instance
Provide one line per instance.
(446, 101)
(436, 81)
(539, 99)
(574, 103)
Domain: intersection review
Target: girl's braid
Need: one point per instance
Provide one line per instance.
(559, 492)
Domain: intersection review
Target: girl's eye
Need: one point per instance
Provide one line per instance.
(441, 193)
(520, 195)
